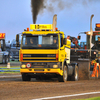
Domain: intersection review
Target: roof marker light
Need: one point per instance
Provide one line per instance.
(27, 29)
(97, 25)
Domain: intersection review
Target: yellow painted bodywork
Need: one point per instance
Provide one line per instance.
(46, 70)
(41, 26)
(38, 51)
(62, 55)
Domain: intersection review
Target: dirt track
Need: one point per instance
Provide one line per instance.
(15, 89)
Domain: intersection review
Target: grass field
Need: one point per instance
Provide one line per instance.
(4, 70)
(95, 98)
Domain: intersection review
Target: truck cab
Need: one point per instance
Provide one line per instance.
(44, 53)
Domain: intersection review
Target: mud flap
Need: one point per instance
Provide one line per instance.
(84, 69)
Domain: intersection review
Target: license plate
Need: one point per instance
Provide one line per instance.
(38, 69)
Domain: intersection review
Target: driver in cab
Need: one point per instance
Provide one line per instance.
(55, 41)
(97, 44)
(31, 42)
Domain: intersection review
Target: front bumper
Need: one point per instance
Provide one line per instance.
(42, 70)
(42, 67)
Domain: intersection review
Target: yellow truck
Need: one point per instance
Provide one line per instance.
(45, 53)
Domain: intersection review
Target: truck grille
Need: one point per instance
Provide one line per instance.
(39, 57)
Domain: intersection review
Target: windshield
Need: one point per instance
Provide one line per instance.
(49, 41)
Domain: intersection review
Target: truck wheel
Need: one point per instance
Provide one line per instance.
(65, 75)
(6, 59)
(3, 60)
(75, 74)
(26, 77)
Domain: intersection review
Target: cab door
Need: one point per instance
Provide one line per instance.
(62, 53)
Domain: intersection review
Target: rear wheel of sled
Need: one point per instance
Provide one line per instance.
(65, 75)
(75, 75)
(26, 77)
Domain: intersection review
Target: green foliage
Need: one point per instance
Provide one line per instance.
(95, 98)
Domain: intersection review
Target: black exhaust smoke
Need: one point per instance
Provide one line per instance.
(37, 6)
(54, 6)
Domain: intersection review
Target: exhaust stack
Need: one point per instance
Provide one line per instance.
(91, 31)
(54, 22)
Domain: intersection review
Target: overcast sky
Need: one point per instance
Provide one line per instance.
(72, 17)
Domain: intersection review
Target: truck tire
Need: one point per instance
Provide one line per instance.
(75, 75)
(6, 59)
(26, 77)
(65, 75)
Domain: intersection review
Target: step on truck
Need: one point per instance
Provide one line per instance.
(45, 53)
(4, 54)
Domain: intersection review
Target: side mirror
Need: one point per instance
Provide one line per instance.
(79, 37)
(17, 40)
(65, 41)
(61, 42)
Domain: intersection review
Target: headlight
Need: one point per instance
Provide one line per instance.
(55, 66)
(23, 66)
